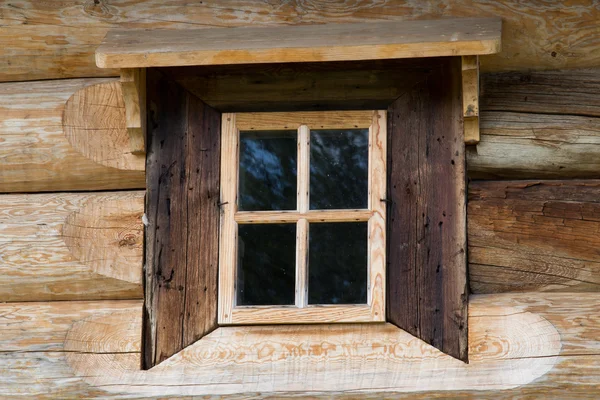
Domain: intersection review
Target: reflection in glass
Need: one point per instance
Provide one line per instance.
(266, 264)
(337, 263)
(267, 170)
(339, 161)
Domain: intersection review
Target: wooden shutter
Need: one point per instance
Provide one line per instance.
(182, 210)
(427, 273)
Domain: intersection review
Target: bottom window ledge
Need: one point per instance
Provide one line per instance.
(509, 347)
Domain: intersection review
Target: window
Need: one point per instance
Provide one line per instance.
(303, 217)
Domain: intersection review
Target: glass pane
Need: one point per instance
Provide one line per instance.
(266, 273)
(339, 161)
(267, 170)
(337, 263)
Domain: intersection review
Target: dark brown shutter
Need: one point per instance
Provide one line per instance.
(427, 270)
(182, 181)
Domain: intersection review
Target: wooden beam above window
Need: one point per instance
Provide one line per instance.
(301, 43)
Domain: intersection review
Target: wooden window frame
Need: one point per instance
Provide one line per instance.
(375, 215)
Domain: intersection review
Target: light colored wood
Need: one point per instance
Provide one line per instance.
(530, 344)
(303, 202)
(71, 246)
(470, 96)
(300, 312)
(312, 119)
(313, 314)
(301, 298)
(327, 42)
(270, 217)
(377, 223)
(42, 150)
(228, 230)
(50, 40)
(133, 85)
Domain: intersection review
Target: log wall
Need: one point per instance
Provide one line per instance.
(51, 40)
(533, 208)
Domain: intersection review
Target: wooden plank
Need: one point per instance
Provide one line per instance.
(327, 42)
(65, 246)
(50, 40)
(313, 119)
(133, 86)
(427, 277)
(534, 235)
(355, 85)
(470, 95)
(513, 348)
(182, 206)
(65, 135)
(265, 217)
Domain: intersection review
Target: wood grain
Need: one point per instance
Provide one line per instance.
(427, 267)
(355, 85)
(327, 42)
(182, 206)
(39, 154)
(312, 119)
(133, 86)
(49, 40)
(511, 336)
(538, 125)
(534, 235)
(70, 246)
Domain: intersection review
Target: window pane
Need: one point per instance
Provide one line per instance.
(266, 272)
(339, 168)
(337, 263)
(267, 170)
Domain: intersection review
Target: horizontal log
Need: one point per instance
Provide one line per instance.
(71, 246)
(50, 40)
(538, 125)
(529, 343)
(90, 149)
(534, 235)
(65, 135)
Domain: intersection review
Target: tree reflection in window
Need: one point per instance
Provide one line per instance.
(267, 179)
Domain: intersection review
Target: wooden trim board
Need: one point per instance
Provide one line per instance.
(327, 42)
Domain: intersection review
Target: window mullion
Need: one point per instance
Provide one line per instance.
(303, 205)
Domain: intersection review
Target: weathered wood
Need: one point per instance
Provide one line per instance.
(70, 246)
(427, 277)
(512, 339)
(356, 85)
(543, 92)
(519, 239)
(534, 235)
(182, 207)
(326, 42)
(39, 154)
(538, 125)
(49, 40)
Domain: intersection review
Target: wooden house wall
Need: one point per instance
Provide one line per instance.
(72, 195)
